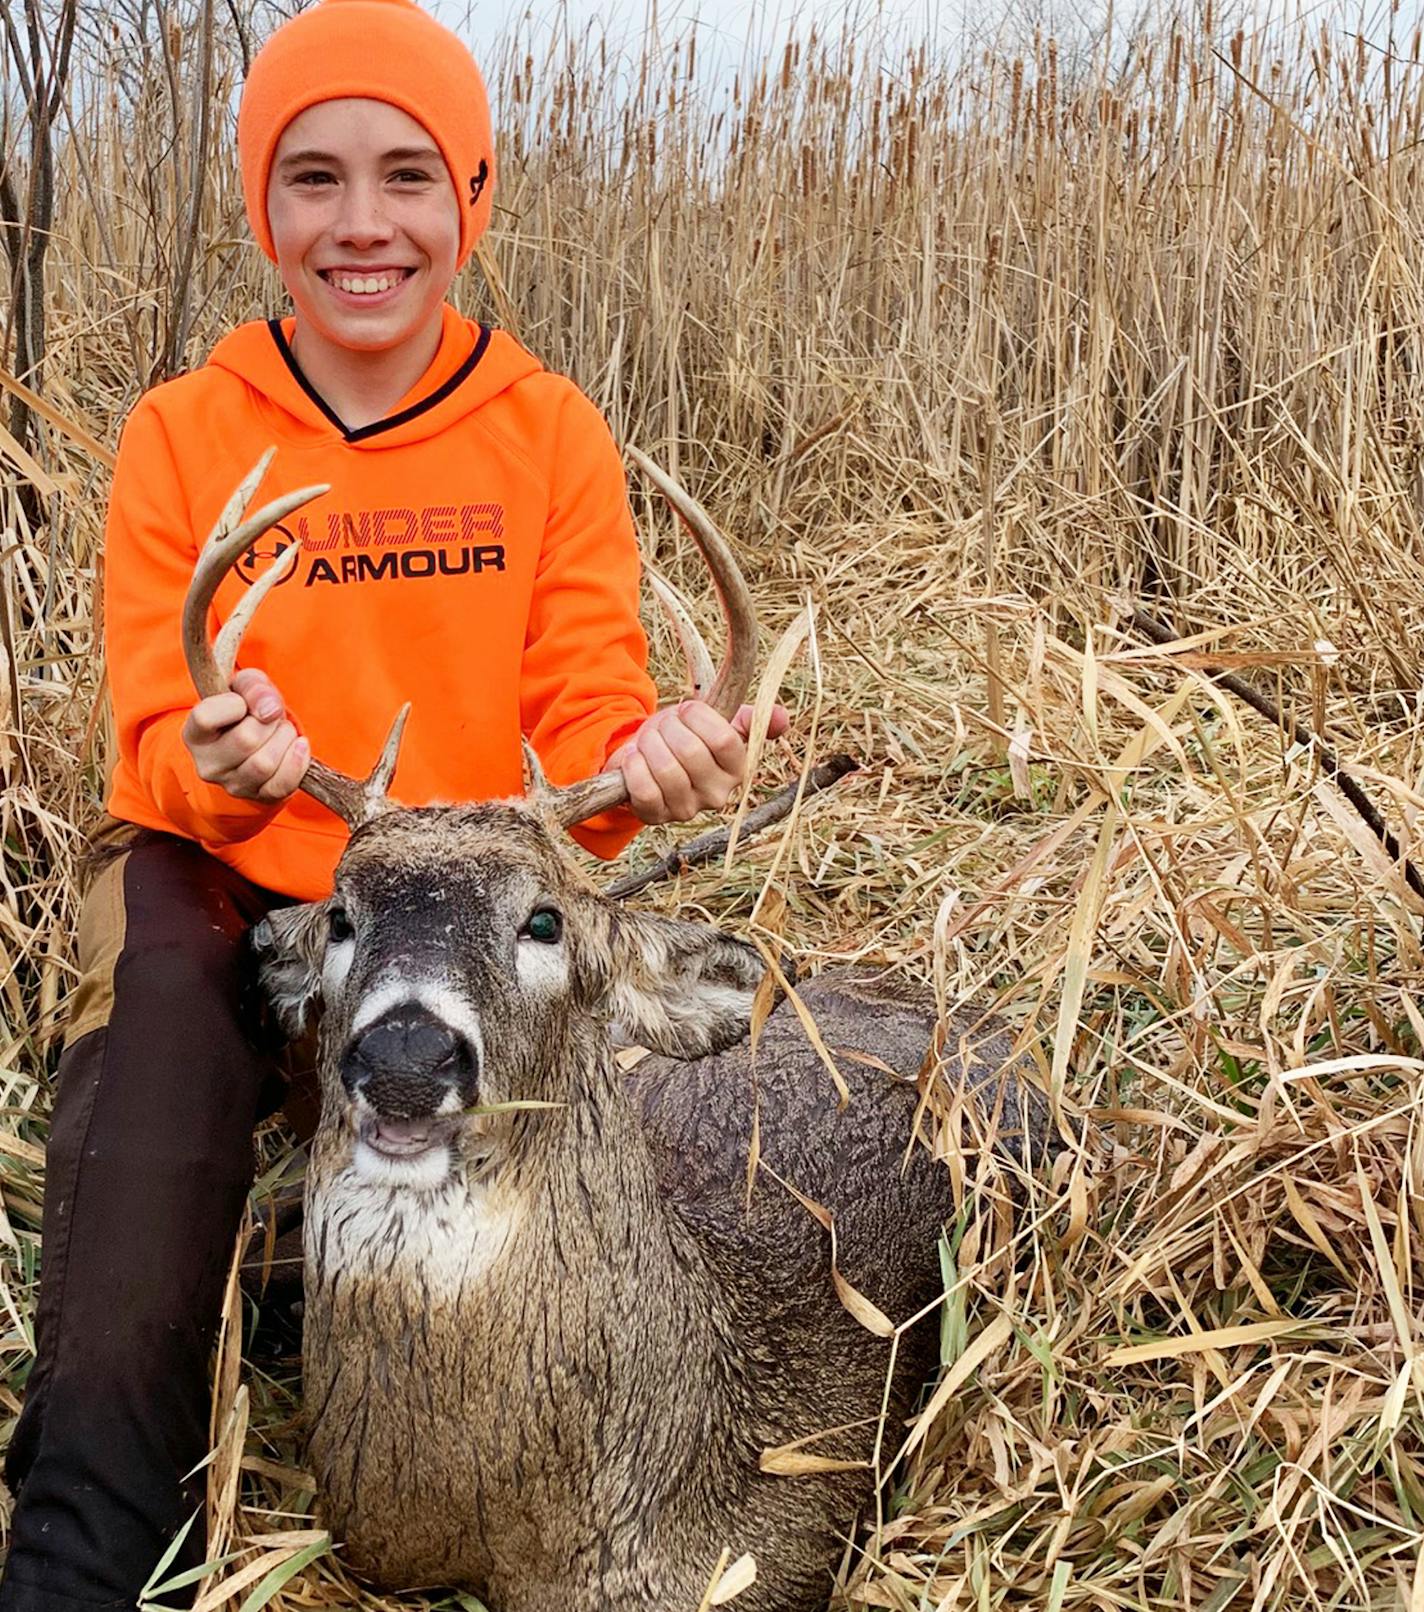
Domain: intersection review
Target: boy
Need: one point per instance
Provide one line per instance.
(475, 555)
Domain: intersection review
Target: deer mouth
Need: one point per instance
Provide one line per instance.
(407, 1138)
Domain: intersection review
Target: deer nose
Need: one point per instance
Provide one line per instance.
(408, 1062)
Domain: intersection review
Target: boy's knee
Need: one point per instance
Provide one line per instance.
(169, 1078)
(181, 979)
(160, 945)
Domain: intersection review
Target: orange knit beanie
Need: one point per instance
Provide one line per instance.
(378, 50)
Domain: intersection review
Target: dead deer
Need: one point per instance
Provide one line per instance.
(550, 1327)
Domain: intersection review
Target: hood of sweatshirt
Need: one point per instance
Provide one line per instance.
(471, 365)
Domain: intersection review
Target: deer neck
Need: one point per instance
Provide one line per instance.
(542, 1341)
(599, 1224)
(558, 1251)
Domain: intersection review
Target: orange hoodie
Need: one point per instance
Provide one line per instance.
(475, 556)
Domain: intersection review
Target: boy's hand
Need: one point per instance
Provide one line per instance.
(243, 742)
(687, 759)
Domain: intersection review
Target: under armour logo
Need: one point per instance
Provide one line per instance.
(478, 183)
(254, 561)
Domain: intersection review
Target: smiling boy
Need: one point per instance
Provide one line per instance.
(475, 555)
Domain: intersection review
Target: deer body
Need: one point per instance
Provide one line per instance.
(550, 1375)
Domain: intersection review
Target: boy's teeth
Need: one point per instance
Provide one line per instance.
(364, 284)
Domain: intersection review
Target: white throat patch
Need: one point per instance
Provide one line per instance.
(444, 1240)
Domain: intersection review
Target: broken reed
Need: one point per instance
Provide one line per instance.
(971, 345)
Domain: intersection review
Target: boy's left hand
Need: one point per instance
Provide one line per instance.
(687, 759)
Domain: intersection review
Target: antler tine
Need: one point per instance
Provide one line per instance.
(734, 675)
(585, 799)
(378, 780)
(695, 653)
(220, 553)
(230, 634)
(242, 496)
(354, 800)
(538, 782)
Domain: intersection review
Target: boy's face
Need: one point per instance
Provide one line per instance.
(365, 222)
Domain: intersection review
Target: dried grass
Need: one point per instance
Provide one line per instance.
(974, 354)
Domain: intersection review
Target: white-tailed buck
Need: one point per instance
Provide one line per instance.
(549, 1332)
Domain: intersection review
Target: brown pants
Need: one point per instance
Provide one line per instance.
(149, 1162)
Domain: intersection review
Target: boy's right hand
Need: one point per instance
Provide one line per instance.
(243, 742)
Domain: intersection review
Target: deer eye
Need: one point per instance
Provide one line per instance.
(544, 924)
(338, 925)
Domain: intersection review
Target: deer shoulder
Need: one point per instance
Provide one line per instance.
(771, 1114)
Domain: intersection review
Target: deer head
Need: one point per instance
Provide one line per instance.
(463, 961)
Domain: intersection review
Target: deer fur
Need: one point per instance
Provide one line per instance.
(544, 1355)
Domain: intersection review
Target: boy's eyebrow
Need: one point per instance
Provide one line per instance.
(297, 159)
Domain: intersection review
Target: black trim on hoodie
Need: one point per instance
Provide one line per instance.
(361, 433)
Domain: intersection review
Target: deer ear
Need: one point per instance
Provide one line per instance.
(286, 949)
(680, 988)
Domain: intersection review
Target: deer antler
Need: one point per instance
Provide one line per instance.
(357, 800)
(354, 800)
(578, 801)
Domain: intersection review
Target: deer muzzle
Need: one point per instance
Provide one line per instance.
(412, 1073)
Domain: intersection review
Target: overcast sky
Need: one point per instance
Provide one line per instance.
(735, 21)
(733, 30)
(742, 21)
(742, 26)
